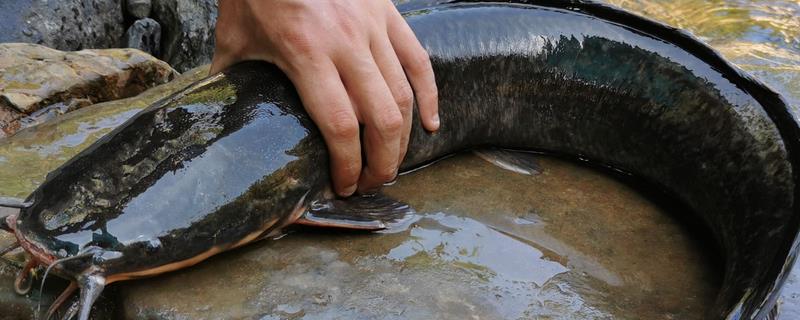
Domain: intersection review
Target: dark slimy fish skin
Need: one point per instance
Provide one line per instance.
(234, 157)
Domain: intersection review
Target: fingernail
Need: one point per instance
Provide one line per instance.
(436, 120)
(349, 190)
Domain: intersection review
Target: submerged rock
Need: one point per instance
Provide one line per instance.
(34, 78)
(63, 25)
(144, 34)
(188, 31)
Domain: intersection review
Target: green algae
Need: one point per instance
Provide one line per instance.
(224, 93)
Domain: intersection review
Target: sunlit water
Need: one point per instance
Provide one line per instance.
(760, 36)
(569, 244)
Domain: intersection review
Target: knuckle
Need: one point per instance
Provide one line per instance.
(391, 122)
(404, 98)
(347, 28)
(421, 61)
(345, 22)
(343, 126)
(385, 172)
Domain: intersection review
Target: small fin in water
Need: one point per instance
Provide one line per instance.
(14, 203)
(517, 161)
(373, 213)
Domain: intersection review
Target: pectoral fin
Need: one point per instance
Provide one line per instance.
(371, 213)
(516, 161)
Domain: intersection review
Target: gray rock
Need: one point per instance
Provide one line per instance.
(63, 25)
(138, 8)
(188, 31)
(145, 35)
(35, 78)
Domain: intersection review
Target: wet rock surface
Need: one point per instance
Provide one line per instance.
(35, 78)
(28, 156)
(187, 31)
(63, 25)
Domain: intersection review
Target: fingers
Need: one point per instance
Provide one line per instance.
(383, 121)
(392, 71)
(219, 62)
(351, 64)
(227, 41)
(417, 65)
(320, 88)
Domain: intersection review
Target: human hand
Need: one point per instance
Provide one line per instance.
(352, 62)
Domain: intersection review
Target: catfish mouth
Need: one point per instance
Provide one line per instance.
(38, 253)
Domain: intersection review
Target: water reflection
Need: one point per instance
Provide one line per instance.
(468, 244)
(568, 244)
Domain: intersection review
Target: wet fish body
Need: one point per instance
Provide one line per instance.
(234, 158)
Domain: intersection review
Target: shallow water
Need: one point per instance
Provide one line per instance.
(571, 243)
